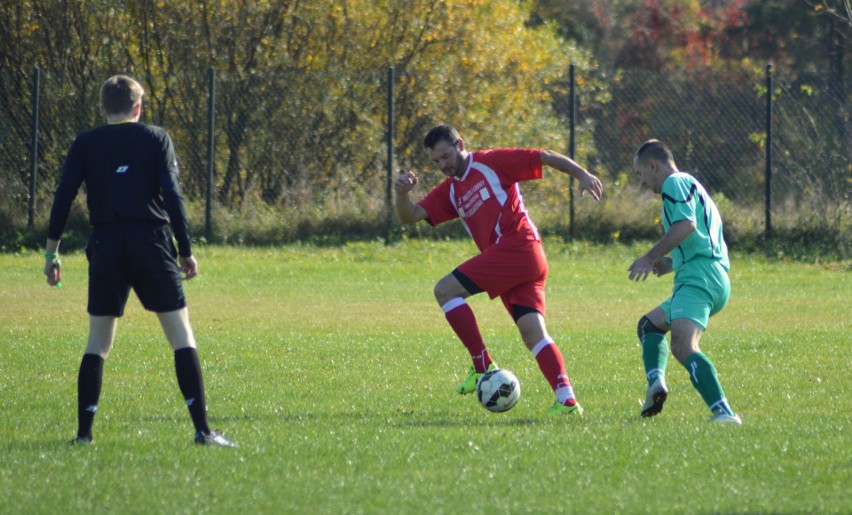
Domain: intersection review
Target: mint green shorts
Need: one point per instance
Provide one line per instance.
(701, 289)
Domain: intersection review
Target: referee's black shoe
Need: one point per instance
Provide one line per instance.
(213, 438)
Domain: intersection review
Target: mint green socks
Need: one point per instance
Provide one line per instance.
(655, 350)
(702, 373)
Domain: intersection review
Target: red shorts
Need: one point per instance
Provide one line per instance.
(515, 272)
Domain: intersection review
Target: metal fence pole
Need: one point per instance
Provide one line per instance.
(389, 185)
(33, 147)
(768, 172)
(211, 116)
(572, 110)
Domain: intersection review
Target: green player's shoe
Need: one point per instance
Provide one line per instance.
(724, 418)
(655, 397)
(560, 409)
(468, 384)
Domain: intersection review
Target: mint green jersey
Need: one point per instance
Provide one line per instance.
(684, 198)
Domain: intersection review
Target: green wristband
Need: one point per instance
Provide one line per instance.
(50, 256)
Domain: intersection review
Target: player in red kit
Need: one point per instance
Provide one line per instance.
(482, 190)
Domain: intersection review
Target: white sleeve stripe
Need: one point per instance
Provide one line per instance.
(493, 181)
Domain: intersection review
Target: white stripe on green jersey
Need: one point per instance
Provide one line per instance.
(684, 198)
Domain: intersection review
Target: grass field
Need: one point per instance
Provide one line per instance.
(334, 370)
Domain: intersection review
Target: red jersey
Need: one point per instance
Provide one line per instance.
(487, 197)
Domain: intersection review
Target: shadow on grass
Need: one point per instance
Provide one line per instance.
(403, 419)
(465, 422)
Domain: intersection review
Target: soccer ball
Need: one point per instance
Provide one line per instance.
(498, 390)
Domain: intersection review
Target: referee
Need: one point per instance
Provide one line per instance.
(131, 177)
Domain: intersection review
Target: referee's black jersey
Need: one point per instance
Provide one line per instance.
(131, 176)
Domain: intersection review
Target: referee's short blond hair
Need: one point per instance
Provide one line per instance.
(120, 93)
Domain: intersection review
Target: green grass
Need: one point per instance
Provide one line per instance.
(334, 370)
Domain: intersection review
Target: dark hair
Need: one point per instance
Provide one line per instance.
(120, 93)
(441, 133)
(656, 150)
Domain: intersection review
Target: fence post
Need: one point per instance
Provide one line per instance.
(768, 172)
(389, 185)
(572, 110)
(211, 116)
(33, 147)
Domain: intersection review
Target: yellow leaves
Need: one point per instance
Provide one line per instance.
(758, 139)
(474, 63)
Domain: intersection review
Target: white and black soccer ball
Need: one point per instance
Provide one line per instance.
(498, 390)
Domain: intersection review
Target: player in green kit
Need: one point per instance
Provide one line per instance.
(699, 259)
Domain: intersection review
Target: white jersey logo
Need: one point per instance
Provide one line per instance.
(122, 169)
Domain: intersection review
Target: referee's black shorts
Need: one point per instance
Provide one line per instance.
(141, 256)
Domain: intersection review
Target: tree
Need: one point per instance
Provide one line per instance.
(301, 93)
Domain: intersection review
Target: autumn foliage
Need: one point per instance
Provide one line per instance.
(301, 90)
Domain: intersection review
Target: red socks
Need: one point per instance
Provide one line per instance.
(463, 322)
(547, 354)
(552, 366)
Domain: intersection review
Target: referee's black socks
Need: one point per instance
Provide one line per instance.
(89, 383)
(191, 382)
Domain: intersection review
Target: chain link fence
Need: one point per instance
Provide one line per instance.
(15, 160)
(714, 128)
(311, 155)
(812, 151)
